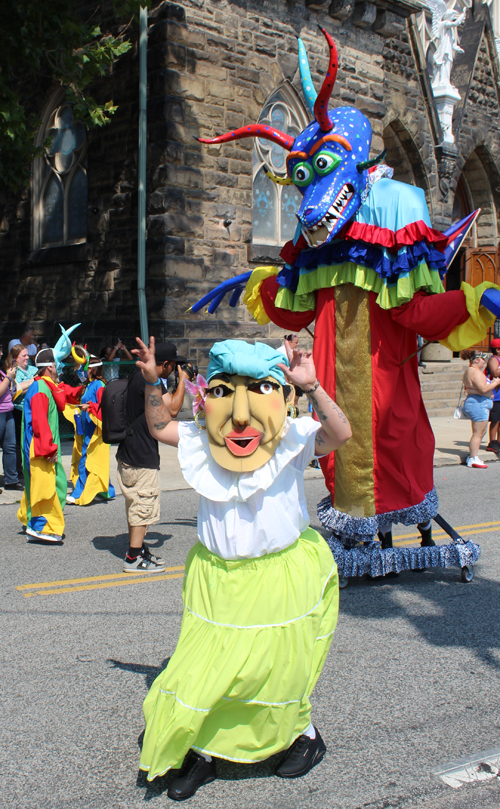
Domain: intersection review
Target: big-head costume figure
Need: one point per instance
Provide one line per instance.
(261, 587)
(366, 265)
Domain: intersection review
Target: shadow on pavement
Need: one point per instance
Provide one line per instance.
(449, 451)
(456, 614)
(150, 672)
(191, 522)
(226, 771)
(117, 545)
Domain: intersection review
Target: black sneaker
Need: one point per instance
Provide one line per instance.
(142, 565)
(150, 557)
(302, 756)
(493, 446)
(16, 487)
(195, 772)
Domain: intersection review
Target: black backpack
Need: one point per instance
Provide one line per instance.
(114, 411)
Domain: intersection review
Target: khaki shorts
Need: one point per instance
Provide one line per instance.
(141, 489)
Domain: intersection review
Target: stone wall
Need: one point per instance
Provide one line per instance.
(211, 66)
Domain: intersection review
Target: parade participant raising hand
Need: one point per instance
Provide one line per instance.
(261, 587)
(160, 423)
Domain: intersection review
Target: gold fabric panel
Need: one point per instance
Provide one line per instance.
(354, 485)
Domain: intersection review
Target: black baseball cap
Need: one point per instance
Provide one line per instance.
(167, 352)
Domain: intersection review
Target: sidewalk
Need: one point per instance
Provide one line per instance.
(452, 445)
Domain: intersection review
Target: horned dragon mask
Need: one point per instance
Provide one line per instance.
(328, 162)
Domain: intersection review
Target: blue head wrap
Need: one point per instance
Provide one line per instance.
(238, 357)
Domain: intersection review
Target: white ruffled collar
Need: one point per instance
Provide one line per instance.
(214, 482)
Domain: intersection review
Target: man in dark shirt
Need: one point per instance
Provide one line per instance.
(139, 460)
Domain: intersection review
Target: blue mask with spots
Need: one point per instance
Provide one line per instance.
(327, 169)
(328, 161)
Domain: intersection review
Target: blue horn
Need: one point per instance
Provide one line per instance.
(310, 93)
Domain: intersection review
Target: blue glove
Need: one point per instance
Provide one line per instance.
(490, 299)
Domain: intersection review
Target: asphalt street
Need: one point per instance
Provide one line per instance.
(411, 681)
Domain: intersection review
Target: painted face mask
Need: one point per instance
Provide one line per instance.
(328, 161)
(245, 407)
(244, 419)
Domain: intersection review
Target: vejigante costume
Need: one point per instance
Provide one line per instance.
(90, 458)
(367, 267)
(44, 497)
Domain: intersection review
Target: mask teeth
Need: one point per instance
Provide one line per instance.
(332, 216)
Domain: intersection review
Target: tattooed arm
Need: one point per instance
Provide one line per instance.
(335, 428)
(159, 420)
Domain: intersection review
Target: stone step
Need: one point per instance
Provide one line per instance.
(446, 400)
(445, 381)
(440, 411)
(453, 373)
(433, 395)
(441, 383)
(433, 368)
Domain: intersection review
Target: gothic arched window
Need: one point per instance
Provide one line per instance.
(274, 206)
(60, 182)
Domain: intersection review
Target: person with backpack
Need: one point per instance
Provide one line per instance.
(138, 456)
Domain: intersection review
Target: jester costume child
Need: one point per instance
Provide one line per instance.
(367, 266)
(90, 458)
(261, 587)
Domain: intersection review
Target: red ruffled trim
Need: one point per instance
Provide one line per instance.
(394, 240)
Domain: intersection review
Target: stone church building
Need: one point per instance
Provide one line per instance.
(68, 243)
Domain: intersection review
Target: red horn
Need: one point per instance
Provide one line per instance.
(321, 103)
(254, 131)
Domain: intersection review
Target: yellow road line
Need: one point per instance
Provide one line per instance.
(92, 578)
(122, 579)
(76, 589)
(461, 528)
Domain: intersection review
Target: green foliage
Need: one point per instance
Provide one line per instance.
(42, 43)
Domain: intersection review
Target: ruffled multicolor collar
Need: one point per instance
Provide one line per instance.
(216, 483)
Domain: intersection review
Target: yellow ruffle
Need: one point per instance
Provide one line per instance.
(475, 329)
(252, 299)
(388, 296)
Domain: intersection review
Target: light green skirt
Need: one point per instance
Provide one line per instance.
(254, 636)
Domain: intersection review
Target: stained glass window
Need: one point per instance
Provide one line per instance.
(274, 205)
(60, 189)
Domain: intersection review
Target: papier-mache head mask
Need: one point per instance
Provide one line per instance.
(328, 162)
(245, 407)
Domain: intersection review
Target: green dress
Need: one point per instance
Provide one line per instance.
(255, 634)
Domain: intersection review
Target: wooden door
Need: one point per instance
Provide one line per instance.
(481, 264)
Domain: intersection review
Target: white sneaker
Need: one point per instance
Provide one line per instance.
(37, 535)
(70, 500)
(475, 463)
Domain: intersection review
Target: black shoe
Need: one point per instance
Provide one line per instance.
(385, 540)
(16, 487)
(302, 756)
(195, 772)
(493, 446)
(427, 540)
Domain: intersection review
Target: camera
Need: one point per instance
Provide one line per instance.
(190, 368)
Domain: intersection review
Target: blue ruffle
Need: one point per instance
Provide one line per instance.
(373, 560)
(351, 530)
(389, 266)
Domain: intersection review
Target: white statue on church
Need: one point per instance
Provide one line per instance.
(444, 31)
